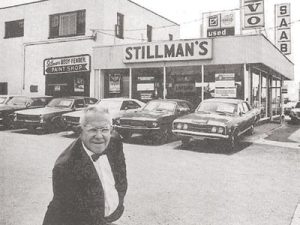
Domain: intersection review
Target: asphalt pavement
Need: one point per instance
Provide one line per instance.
(256, 185)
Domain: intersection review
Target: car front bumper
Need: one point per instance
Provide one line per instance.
(199, 135)
(135, 129)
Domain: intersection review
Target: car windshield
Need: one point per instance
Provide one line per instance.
(61, 103)
(18, 101)
(2, 100)
(111, 105)
(217, 107)
(160, 106)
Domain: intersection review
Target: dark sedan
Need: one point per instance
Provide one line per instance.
(217, 119)
(18, 103)
(154, 121)
(49, 117)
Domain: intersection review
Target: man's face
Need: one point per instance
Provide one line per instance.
(96, 133)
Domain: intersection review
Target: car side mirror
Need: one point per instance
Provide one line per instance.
(27, 104)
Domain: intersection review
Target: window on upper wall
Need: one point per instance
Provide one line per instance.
(170, 37)
(149, 33)
(67, 24)
(119, 27)
(14, 29)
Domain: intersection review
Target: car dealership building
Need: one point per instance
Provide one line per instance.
(245, 67)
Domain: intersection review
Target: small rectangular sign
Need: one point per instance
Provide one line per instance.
(253, 14)
(225, 92)
(69, 64)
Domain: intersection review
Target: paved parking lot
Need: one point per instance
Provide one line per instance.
(257, 184)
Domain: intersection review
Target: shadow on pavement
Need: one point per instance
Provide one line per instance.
(213, 147)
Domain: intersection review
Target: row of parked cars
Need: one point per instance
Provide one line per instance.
(217, 119)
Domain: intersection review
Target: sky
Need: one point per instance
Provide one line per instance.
(188, 14)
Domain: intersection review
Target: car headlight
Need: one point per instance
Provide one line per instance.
(185, 126)
(15, 116)
(154, 124)
(41, 119)
(221, 130)
(179, 126)
(116, 121)
(214, 129)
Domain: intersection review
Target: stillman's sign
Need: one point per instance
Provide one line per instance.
(198, 49)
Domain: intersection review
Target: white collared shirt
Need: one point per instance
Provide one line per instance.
(106, 177)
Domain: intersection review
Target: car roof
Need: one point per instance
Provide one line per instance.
(225, 100)
(170, 100)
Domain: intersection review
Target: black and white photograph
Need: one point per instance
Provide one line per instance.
(138, 112)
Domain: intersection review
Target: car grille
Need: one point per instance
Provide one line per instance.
(196, 128)
(28, 117)
(134, 123)
(72, 119)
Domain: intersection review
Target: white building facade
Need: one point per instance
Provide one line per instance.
(46, 47)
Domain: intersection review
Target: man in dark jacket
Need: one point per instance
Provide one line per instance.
(89, 177)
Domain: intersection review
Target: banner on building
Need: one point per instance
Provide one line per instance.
(114, 83)
(219, 23)
(283, 27)
(253, 14)
(69, 64)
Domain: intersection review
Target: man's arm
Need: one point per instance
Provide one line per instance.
(60, 208)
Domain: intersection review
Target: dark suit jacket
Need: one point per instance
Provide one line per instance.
(78, 194)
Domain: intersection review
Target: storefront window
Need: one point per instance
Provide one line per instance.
(264, 96)
(223, 81)
(183, 82)
(276, 97)
(147, 83)
(116, 83)
(255, 91)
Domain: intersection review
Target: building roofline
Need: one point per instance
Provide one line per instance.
(153, 12)
(22, 4)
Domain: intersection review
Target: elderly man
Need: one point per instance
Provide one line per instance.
(89, 177)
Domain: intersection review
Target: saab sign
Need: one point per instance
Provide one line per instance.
(221, 24)
(253, 14)
(69, 64)
(283, 27)
(199, 49)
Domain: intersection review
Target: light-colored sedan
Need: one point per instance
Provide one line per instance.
(116, 107)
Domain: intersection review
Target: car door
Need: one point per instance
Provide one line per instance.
(242, 118)
(249, 115)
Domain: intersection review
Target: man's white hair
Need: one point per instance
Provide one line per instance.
(101, 111)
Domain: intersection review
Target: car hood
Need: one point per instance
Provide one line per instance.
(113, 114)
(42, 111)
(10, 107)
(210, 119)
(74, 114)
(146, 115)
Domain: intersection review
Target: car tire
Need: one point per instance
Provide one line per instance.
(8, 122)
(251, 130)
(185, 142)
(232, 142)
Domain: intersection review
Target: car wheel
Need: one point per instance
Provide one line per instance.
(251, 130)
(8, 122)
(185, 142)
(232, 142)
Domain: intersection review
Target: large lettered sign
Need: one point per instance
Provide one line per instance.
(253, 14)
(198, 49)
(283, 27)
